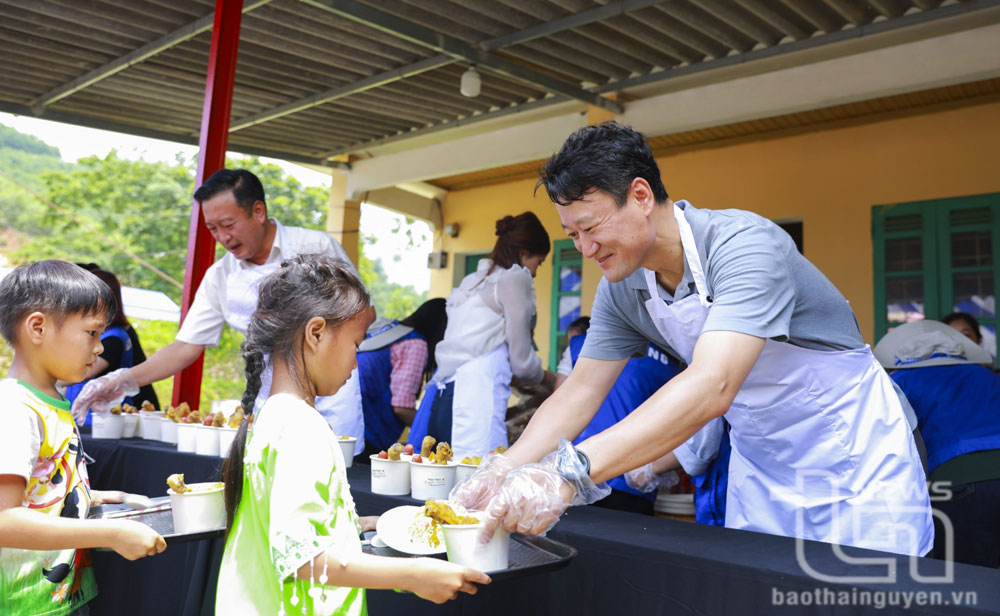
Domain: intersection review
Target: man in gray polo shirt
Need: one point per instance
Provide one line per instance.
(821, 447)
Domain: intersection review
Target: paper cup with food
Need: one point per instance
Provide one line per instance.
(432, 476)
(390, 472)
(206, 441)
(466, 466)
(187, 437)
(109, 425)
(198, 507)
(460, 530)
(149, 425)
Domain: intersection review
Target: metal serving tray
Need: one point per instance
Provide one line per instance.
(528, 555)
(159, 517)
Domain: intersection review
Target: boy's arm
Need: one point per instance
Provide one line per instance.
(25, 529)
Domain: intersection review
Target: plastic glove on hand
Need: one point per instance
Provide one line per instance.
(101, 393)
(534, 496)
(476, 490)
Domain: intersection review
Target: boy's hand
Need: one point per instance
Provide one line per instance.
(134, 540)
(439, 580)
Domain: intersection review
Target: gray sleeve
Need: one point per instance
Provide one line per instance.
(751, 282)
(697, 453)
(610, 337)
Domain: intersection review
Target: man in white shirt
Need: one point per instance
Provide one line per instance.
(232, 201)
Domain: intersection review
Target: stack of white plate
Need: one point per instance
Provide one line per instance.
(675, 504)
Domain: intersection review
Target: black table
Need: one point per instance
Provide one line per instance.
(628, 564)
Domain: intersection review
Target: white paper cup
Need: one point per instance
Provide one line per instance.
(463, 471)
(106, 425)
(149, 425)
(226, 438)
(390, 477)
(206, 441)
(200, 510)
(168, 431)
(187, 437)
(131, 425)
(347, 446)
(462, 543)
(431, 481)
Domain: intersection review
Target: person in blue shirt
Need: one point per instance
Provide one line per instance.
(957, 403)
(121, 347)
(640, 378)
(394, 361)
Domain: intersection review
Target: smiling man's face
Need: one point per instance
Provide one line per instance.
(617, 238)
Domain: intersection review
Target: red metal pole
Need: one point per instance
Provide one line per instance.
(211, 157)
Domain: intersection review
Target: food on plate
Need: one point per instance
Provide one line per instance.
(408, 449)
(395, 450)
(443, 454)
(474, 460)
(176, 483)
(426, 445)
(116, 409)
(147, 406)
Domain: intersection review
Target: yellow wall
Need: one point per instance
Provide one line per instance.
(830, 179)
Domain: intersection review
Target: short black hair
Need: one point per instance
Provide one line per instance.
(57, 288)
(581, 324)
(604, 157)
(246, 188)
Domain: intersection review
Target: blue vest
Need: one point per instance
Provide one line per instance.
(72, 391)
(382, 425)
(710, 488)
(957, 407)
(641, 378)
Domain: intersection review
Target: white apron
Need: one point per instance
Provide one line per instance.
(482, 389)
(821, 448)
(342, 410)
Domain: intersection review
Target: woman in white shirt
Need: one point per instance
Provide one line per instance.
(488, 339)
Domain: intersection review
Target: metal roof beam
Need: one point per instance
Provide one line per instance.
(566, 23)
(146, 51)
(520, 36)
(441, 43)
(77, 119)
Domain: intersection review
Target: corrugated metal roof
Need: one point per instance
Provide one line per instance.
(320, 78)
(865, 111)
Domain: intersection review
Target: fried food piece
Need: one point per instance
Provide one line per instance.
(236, 418)
(176, 483)
(183, 409)
(395, 450)
(116, 409)
(472, 460)
(443, 454)
(426, 445)
(218, 420)
(499, 450)
(147, 406)
(442, 513)
(129, 409)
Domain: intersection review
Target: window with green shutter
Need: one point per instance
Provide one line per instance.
(937, 257)
(567, 279)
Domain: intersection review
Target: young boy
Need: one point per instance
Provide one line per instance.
(52, 313)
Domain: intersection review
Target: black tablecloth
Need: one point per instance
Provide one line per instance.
(628, 564)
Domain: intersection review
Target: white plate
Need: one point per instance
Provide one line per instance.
(393, 528)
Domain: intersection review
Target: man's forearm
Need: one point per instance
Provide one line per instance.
(166, 362)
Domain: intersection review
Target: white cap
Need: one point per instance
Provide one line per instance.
(928, 343)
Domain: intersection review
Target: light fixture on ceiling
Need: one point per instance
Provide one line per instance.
(471, 82)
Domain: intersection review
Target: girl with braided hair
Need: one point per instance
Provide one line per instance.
(293, 545)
